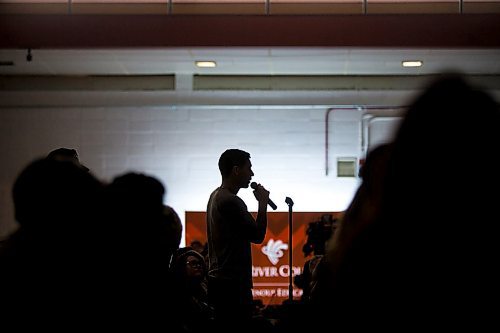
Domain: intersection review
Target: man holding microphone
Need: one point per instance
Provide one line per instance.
(231, 229)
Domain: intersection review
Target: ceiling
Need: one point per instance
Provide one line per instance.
(249, 61)
(83, 45)
(359, 55)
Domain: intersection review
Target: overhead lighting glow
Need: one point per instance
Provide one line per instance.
(412, 63)
(206, 64)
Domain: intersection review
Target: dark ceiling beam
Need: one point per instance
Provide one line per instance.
(145, 31)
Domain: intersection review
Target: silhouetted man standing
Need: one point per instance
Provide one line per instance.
(231, 229)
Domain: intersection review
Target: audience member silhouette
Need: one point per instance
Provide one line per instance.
(46, 263)
(418, 248)
(173, 233)
(142, 234)
(361, 212)
(318, 234)
(136, 210)
(189, 273)
(87, 254)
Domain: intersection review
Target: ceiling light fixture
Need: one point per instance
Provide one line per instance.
(206, 64)
(412, 63)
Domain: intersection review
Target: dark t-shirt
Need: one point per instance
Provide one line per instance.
(230, 229)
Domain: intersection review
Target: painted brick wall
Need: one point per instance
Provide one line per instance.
(181, 146)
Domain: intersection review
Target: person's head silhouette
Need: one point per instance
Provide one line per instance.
(66, 154)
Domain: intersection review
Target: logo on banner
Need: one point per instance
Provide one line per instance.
(274, 250)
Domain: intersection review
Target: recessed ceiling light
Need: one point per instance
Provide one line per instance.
(206, 64)
(412, 63)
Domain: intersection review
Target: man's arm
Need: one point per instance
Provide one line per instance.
(254, 230)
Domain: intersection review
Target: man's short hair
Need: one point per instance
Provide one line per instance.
(231, 158)
(63, 152)
(66, 154)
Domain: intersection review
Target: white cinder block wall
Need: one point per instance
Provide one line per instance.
(181, 146)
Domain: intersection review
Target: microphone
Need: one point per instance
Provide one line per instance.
(269, 201)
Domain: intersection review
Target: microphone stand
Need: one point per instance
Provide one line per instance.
(289, 202)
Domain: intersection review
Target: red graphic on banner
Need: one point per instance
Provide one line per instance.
(270, 259)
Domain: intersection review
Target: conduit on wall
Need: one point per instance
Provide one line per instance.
(366, 118)
(327, 116)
